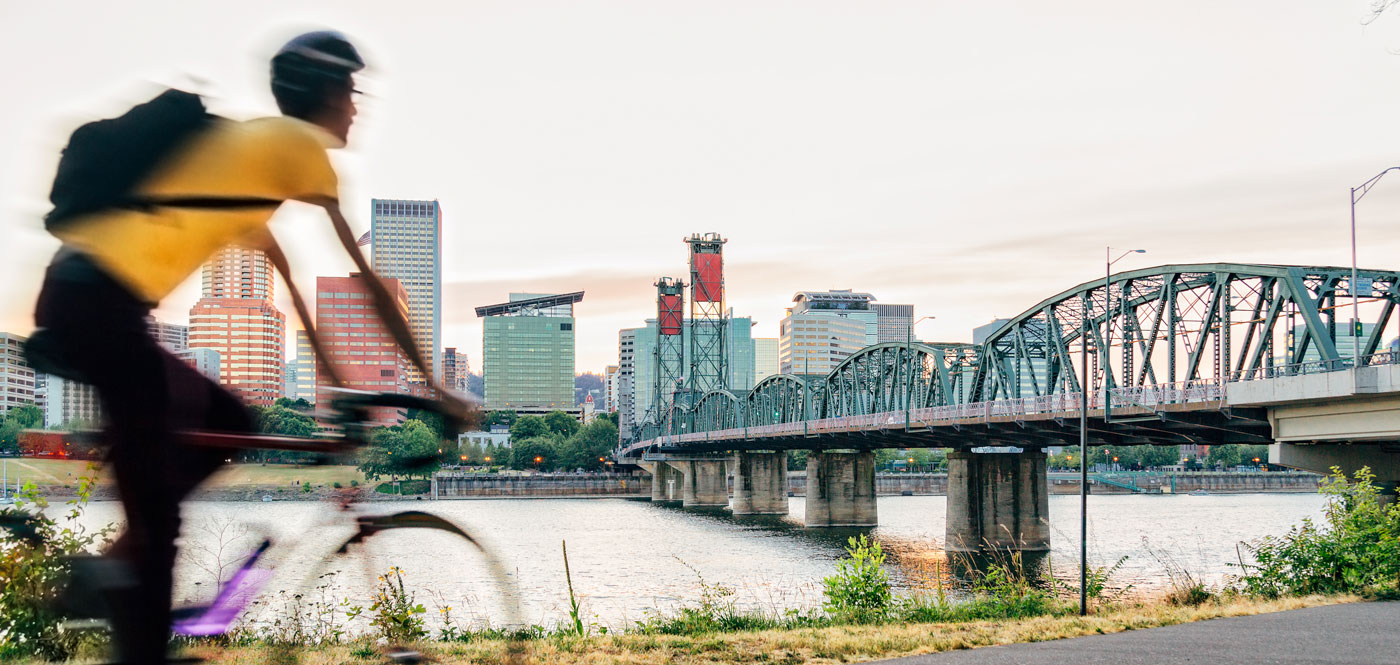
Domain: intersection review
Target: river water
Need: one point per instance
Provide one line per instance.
(629, 558)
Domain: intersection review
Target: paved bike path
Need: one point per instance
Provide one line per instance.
(1350, 634)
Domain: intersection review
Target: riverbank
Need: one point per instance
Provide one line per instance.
(807, 645)
(58, 479)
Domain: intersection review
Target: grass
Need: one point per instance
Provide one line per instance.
(66, 472)
(805, 645)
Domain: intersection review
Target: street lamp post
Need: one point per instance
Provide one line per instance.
(1084, 419)
(1356, 194)
(909, 358)
(1108, 324)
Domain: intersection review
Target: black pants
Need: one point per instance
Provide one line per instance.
(99, 330)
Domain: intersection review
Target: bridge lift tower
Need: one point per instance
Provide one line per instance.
(709, 321)
(670, 347)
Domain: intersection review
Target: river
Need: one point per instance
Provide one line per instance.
(629, 558)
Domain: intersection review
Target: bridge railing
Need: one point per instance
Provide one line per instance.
(1317, 366)
(1148, 397)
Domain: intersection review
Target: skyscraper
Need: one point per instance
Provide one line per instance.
(822, 328)
(527, 354)
(455, 369)
(765, 358)
(355, 339)
(406, 239)
(173, 336)
(894, 322)
(304, 363)
(610, 389)
(236, 318)
(626, 374)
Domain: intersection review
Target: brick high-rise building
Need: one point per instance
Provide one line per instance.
(365, 354)
(236, 318)
(455, 369)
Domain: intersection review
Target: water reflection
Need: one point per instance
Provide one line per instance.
(629, 558)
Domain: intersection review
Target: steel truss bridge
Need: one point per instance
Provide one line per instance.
(1161, 345)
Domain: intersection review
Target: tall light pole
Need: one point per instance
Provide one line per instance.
(1356, 194)
(909, 358)
(1108, 324)
(1084, 418)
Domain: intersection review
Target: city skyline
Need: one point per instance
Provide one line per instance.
(990, 152)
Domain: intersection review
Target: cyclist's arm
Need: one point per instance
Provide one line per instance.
(383, 302)
(268, 244)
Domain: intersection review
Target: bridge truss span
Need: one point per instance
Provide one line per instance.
(1160, 344)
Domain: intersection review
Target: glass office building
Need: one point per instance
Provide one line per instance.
(527, 355)
(406, 237)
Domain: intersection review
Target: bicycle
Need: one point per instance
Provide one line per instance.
(349, 414)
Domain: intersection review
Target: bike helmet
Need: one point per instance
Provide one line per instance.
(311, 67)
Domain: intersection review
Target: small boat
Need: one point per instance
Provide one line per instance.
(1199, 492)
(267, 498)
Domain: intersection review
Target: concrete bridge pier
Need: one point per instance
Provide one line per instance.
(760, 483)
(997, 501)
(665, 482)
(1382, 460)
(840, 489)
(704, 483)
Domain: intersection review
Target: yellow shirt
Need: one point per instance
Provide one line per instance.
(153, 251)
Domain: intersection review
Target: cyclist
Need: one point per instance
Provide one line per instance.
(117, 263)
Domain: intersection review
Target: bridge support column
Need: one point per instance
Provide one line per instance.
(704, 483)
(1320, 458)
(997, 501)
(840, 489)
(760, 483)
(665, 483)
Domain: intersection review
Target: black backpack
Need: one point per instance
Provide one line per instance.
(107, 159)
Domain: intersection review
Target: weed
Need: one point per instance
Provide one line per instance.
(860, 589)
(1356, 548)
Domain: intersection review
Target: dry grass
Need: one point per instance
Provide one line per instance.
(819, 645)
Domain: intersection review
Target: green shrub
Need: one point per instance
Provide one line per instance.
(33, 572)
(395, 614)
(1356, 548)
(306, 487)
(861, 587)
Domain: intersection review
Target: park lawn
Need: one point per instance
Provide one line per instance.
(837, 644)
(44, 471)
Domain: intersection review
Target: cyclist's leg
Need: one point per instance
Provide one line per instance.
(101, 330)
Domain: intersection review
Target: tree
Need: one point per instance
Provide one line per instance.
(1224, 456)
(613, 417)
(591, 447)
(561, 423)
(528, 427)
(492, 418)
(540, 453)
(797, 460)
(410, 449)
(16, 420)
(1156, 456)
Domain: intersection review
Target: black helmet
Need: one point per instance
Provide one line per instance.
(311, 66)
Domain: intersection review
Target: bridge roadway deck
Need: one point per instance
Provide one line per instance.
(1207, 420)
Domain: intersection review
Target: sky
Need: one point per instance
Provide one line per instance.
(971, 158)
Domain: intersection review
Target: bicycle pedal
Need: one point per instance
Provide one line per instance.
(78, 625)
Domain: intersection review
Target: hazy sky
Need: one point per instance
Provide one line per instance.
(971, 158)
